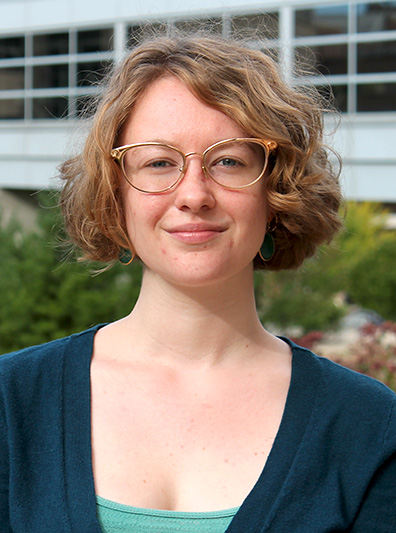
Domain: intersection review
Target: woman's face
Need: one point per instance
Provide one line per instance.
(197, 233)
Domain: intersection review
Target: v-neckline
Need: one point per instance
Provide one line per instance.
(300, 402)
(78, 468)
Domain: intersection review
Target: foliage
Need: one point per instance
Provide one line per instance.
(372, 281)
(307, 299)
(297, 299)
(375, 353)
(45, 297)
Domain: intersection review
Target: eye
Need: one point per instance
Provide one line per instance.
(161, 164)
(227, 163)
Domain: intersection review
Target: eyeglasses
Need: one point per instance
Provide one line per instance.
(153, 167)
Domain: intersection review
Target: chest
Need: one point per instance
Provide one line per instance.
(190, 447)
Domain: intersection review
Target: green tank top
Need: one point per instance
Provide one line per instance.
(118, 518)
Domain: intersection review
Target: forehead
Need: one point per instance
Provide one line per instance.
(168, 110)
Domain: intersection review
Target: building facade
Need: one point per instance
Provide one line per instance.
(54, 52)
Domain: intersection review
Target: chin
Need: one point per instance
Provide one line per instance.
(202, 274)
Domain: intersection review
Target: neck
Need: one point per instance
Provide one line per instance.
(196, 323)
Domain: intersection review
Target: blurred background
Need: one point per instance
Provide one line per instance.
(53, 55)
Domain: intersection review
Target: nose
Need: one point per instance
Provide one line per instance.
(195, 191)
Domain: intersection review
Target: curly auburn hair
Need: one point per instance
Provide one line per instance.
(302, 189)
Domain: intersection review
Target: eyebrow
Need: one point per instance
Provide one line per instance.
(162, 141)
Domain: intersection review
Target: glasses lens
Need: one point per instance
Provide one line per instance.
(152, 168)
(236, 164)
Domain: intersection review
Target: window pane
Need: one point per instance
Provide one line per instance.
(260, 26)
(327, 59)
(379, 16)
(336, 96)
(136, 34)
(94, 41)
(212, 25)
(376, 97)
(11, 109)
(46, 76)
(321, 21)
(92, 72)
(50, 107)
(11, 47)
(49, 44)
(376, 57)
(12, 78)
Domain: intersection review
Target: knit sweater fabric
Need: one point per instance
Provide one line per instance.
(332, 466)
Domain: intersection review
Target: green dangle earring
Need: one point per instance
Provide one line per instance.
(125, 256)
(267, 249)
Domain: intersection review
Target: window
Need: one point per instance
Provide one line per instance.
(322, 47)
(51, 77)
(46, 76)
(57, 73)
(378, 16)
(376, 57)
(48, 108)
(336, 96)
(12, 78)
(85, 105)
(90, 73)
(90, 41)
(12, 47)
(50, 44)
(321, 21)
(376, 97)
(324, 59)
(11, 109)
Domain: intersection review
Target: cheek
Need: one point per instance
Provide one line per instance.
(142, 213)
(132, 211)
(256, 209)
(257, 219)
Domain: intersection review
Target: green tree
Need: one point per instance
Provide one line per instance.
(300, 298)
(372, 280)
(307, 298)
(45, 297)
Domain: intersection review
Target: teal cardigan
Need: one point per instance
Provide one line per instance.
(332, 466)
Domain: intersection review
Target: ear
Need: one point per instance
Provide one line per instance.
(272, 222)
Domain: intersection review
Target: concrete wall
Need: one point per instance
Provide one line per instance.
(20, 14)
(367, 146)
(30, 153)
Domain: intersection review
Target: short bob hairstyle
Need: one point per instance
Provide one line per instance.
(302, 190)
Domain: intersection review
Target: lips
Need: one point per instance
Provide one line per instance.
(195, 233)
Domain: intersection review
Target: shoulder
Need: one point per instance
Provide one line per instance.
(355, 406)
(339, 381)
(44, 360)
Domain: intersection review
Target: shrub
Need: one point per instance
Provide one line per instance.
(44, 297)
(372, 280)
(375, 353)
(359, 264)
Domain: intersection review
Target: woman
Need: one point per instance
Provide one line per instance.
(187, 415)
